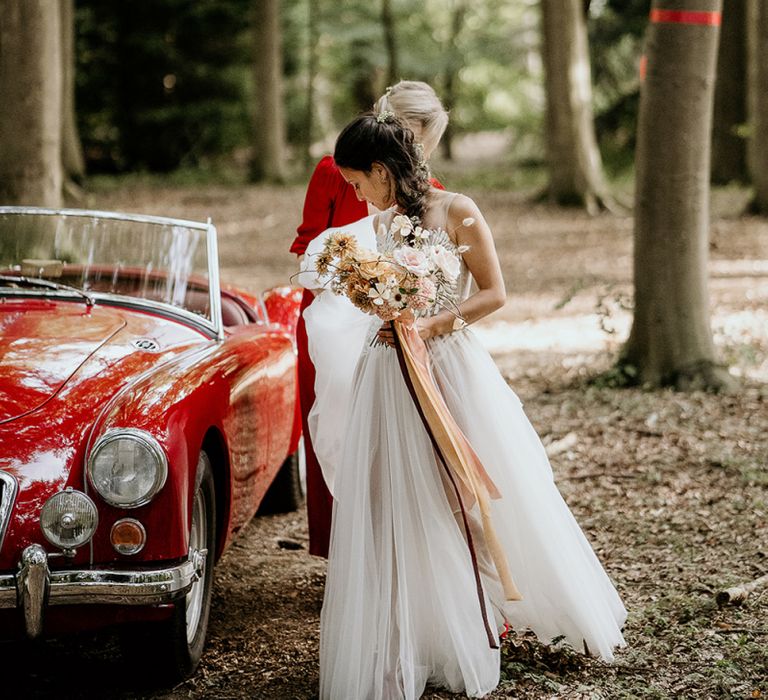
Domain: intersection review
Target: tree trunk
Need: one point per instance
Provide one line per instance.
(452, 65)
(729, 148)
(30, 116)
(71, 148)
(671, 339)
(269, 126)
(390, 41)
(575, 167)
(758, 102)
(313, 12)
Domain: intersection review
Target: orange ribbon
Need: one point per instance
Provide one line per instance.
(452, 444)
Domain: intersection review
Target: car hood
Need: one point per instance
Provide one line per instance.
(40, 350)
(44, 345)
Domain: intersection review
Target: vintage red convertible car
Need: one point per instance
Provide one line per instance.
(146, 412)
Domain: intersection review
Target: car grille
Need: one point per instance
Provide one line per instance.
(7, 497)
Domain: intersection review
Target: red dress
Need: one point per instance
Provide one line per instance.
(330, 202)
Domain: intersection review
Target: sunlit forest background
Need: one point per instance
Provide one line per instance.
(168, 84)
(619, 151)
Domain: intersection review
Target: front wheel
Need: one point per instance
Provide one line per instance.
(174, 647)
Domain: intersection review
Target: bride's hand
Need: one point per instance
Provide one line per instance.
(386, 335)
(425, 328)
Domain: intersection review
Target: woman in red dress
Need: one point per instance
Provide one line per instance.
(330, 202)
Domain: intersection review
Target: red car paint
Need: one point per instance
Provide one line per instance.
(69, 372)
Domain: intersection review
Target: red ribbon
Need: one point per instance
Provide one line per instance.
(709, 19)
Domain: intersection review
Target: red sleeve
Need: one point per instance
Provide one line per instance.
(318, 204)
(436, 183)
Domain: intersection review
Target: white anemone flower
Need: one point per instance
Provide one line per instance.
(380, 293)
(402, 225)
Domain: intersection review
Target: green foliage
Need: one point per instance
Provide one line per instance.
(161, 84)
(616, 29)
(168, 83)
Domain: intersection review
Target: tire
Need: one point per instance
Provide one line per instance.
(173, 648)
(288, 490)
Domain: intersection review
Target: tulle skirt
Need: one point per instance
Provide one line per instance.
(401, 607)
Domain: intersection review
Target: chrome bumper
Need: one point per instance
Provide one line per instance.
(35, 586)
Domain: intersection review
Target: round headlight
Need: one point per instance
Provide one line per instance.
(127, 467)
(69, 519)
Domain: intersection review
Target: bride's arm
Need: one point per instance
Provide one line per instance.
(482, 262)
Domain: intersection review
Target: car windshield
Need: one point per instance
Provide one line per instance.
(142, 258)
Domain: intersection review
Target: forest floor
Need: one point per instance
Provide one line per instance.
(671, 489)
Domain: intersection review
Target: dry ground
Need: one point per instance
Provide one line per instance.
(671, 489)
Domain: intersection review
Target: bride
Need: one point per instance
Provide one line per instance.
(414, 593)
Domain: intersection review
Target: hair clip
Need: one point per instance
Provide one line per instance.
(385, 116)
(420, 155)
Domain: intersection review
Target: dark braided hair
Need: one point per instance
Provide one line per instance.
(369, 139)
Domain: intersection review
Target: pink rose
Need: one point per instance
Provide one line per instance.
(445, 261)
(412, 260)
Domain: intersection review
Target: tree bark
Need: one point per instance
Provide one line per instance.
(30, 116)
(738, 594)
(671, 339)
(758, 102)
(313, 12)
(269, 125)
(452, 64)
(390, 41)
(729, 148)
(575, 167)
(71, 148)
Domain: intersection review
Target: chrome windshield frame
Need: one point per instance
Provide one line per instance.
(214, 325)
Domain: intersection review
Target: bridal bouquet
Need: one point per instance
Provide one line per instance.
(416, 275)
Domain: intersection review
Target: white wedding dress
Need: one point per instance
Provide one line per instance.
(401, 607)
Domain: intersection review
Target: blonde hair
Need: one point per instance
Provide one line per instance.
(419, 107)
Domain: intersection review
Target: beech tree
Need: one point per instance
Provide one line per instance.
(575, 166)
(453, 62)
(269, 127)
(729, 147)
(390, 41)
(71, 148)
(671, 339)
(758, 102)
(31, 89)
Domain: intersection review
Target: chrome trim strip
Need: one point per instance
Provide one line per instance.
(7, 498)
(36, 586)
(170, 311)
(95, 213)
(122, 587)
(214, 285)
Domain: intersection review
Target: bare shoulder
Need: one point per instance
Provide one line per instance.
(461, 207)
(464, 218)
